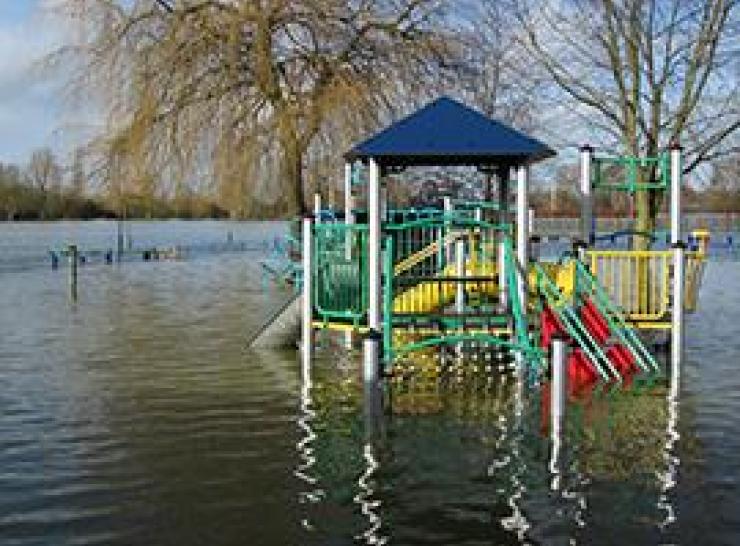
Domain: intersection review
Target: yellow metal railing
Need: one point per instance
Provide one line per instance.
(639, 281)
(428, 251)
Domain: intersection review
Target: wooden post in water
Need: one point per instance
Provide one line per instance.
(119, 239)
(73, 261)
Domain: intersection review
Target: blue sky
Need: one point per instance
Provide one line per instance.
(30, 107)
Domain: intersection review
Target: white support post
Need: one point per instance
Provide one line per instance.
(448, 210)
(371, 356)
(349, 219)
(675, 193)
(317, 207)
(503, 287)
(383, 203)
(522, 235)
(460, 273)
(677, 312)
(503, 218)
(522, 247)
(558, 401)
(374, 286)
(558, 392)
(307, 314)
(530, 220)
(587, 205)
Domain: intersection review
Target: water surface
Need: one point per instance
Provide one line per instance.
(136, 415)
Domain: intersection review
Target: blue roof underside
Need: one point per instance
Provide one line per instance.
(446, 132)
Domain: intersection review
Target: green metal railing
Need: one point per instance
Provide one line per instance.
(472, 205)
(630, 171)
(340, 272)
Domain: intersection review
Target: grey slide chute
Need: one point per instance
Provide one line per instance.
(281, 329)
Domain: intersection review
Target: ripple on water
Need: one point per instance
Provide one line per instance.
(137, 416)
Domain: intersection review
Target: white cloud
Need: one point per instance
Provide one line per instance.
(30, 102)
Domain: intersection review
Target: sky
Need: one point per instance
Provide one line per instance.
(32, 109)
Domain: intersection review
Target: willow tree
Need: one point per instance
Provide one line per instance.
(647, 72)
(242, 88)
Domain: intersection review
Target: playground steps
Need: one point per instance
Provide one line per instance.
(604, 346)
(432, 294)
(427, 252)
(606, 349)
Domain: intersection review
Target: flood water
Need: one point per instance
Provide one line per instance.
(136, 415)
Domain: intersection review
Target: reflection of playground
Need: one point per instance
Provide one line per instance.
(466, 455)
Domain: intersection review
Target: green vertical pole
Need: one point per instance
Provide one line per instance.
(388, 302)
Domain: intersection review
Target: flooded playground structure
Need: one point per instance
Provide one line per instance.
(462, 285)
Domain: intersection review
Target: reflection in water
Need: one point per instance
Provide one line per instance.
(668, 478)
(365, 498)
(305, 446)
(136, 417)
(556, 443)
(369, 506)
(517, 522)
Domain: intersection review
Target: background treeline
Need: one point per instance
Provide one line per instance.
(250, 104)
(45, 190)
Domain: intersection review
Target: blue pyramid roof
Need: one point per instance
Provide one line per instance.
(446, 132)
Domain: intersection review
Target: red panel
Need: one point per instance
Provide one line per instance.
(581, 372)
(595, 323)
(549, 326)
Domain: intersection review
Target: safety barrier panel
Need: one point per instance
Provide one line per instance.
(340, 272)
(639, 282)
(628, 172)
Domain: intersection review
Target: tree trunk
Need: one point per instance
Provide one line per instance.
(645, 221)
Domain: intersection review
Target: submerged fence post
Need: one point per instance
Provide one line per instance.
(307, 315)
(73, 261)
(677, 313)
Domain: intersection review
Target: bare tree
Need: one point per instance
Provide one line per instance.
(43, 172)
(245, 86)
(77, 174)
(647, 72)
